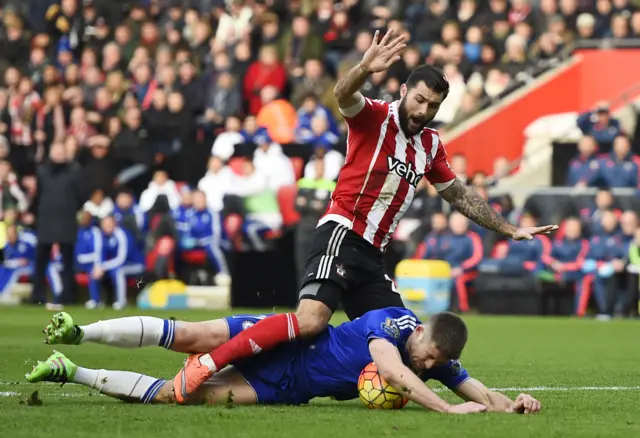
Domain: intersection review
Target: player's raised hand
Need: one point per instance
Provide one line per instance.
(467, 408)
(529, 232)
(383, 52)
(525, 404)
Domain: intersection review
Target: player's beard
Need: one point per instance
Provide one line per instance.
(410, 125)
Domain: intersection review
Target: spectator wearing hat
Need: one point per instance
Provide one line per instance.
(599, 124)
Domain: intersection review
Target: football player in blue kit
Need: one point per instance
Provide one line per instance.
(406, 351)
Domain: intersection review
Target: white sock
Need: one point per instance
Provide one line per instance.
(120, 384)
(131, 332)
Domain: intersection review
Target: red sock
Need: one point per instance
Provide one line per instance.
(264, 335)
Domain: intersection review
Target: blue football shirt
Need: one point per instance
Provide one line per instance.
(331, 363)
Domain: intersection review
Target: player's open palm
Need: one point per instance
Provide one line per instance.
(383, 52)
(528, 232)
(467, 408)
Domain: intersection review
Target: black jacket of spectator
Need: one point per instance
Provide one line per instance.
(57, 202)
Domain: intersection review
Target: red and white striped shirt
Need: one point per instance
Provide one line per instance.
(382, 170)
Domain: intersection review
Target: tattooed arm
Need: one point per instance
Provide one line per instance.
(468, 202)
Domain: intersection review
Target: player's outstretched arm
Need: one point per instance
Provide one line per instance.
(468, 202)
(379, 57)
(474, 390)
(400, 377)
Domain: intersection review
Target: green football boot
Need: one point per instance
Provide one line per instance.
(62, 330)
(57, 368)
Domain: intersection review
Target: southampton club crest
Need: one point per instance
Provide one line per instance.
(391, 327)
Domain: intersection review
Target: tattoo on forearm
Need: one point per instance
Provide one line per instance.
(468, 202)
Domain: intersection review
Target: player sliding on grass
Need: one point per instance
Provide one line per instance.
(389, 151)
(406, 352)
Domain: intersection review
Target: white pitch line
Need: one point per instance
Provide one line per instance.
(507, 389)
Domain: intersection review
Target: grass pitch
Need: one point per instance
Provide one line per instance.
(585, 373)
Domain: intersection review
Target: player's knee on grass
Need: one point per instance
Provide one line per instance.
(200, 337)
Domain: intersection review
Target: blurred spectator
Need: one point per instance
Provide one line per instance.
(161, 185)
(584, 166)
(619, 168)
(315, 81)
(99, 205)
(19, 260)
(459, 167)
(332, 163)
(88, 246)
(262, 212)
(599, 124)
(633, 279)
(434, 245)
(120, 260)
(462, 249)
(57, 202)
(277, 115)
(592, 216)
(314, 191)
(267, 70)
(568, 254)
(605, 259)
(272, 163)
(225, 100)
(298, 45)
(233, 24)
(206, 233)
(215, 184)
(309, 110)
(129, 216)
(11, 195)
(523, 256)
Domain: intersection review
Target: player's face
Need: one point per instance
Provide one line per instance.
(423, 352)
(418, 106)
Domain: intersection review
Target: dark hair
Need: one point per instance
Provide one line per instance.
(448, 333)
(432, 76)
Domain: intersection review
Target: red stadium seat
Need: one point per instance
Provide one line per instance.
(194, 257)
(235, 164)
(233, 228)
(164, 247)
(500, 250)
(286, 200)
(82, 280)
(298, 166)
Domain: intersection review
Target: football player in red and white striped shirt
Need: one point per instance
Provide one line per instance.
(389, 150)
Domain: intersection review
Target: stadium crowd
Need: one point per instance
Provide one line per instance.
(131, 96)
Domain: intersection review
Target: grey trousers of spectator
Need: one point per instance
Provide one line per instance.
(43, 256)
